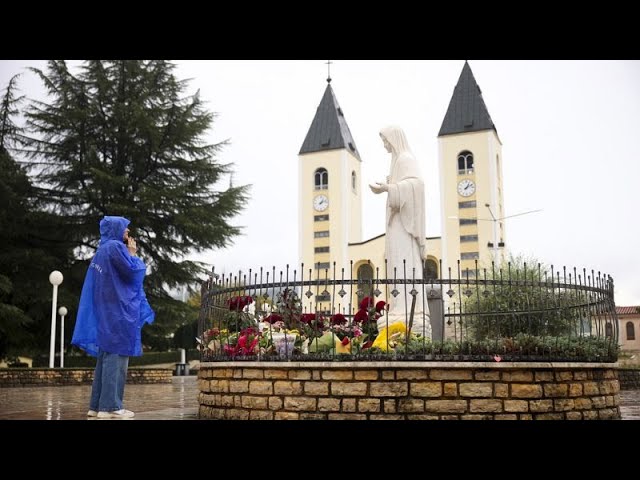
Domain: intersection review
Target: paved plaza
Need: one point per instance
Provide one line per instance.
(175, 401)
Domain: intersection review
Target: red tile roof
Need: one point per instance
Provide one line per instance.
(628, 310)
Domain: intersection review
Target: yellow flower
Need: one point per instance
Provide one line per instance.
(393, 329)
(342, 348)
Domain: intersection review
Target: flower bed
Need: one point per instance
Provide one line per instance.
(284, 332)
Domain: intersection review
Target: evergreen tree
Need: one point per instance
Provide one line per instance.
(13, 187)
(31, 248)
(122, 138)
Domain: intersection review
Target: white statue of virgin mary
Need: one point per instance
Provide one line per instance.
(405, 237)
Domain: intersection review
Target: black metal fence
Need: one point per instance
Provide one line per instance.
(513, 313)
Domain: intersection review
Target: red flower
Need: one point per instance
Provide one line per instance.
(367, 344)
(249, 331)
(273, 318)
(345, 341)
(338, 319)
(239, 302)
(246, 345)
(361, 316)
(366, 303)
(307, 318)
(380, 306)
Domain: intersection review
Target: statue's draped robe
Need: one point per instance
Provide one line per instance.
(405, 237)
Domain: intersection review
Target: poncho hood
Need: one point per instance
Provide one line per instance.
(112, 228)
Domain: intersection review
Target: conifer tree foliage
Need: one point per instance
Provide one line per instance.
(13, 188)
(30, 244)
(123, 138)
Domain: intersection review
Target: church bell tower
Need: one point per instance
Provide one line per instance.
(470, 162)
(329, 192)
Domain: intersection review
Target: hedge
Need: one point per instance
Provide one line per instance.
(149, 358)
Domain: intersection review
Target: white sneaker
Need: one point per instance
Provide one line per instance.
(92, 413)
(122, 413)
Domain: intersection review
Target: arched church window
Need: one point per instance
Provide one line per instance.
(465, 162)
(431, 269)
(321, 179)
(365, 280)
(353, 181)
(631, 331)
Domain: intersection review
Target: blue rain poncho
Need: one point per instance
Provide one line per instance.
(113, 307)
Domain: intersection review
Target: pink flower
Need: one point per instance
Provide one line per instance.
(497, 358)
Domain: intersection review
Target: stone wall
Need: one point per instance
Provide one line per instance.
(629, 379)
(408, 391)
(30, 377)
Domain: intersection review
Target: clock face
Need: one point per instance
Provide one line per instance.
(321, 203)
(466, 187)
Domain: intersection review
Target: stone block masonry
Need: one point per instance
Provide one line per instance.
(408, 391)
(33, 377)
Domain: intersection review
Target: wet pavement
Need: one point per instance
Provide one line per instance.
(630, 404)
(175, 401)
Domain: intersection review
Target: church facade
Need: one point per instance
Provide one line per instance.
(331, 194)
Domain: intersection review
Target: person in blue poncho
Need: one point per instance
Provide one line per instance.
(113, 308)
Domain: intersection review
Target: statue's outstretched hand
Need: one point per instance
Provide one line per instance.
(379, 187)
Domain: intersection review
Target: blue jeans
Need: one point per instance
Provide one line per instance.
(109, 379)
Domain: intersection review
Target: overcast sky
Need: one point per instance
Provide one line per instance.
(570, 132)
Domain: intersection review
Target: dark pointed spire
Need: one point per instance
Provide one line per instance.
(329, 129)
(467, 111)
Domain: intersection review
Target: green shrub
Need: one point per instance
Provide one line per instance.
(524, 301)
(148, 358)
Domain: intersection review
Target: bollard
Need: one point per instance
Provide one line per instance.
(182, 368)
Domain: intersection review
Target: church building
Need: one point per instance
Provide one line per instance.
(471, 193)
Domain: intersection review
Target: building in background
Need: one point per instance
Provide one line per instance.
(331, 194)
(629, 323)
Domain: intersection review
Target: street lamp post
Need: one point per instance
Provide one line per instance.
(62, 311)
(55, 278)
